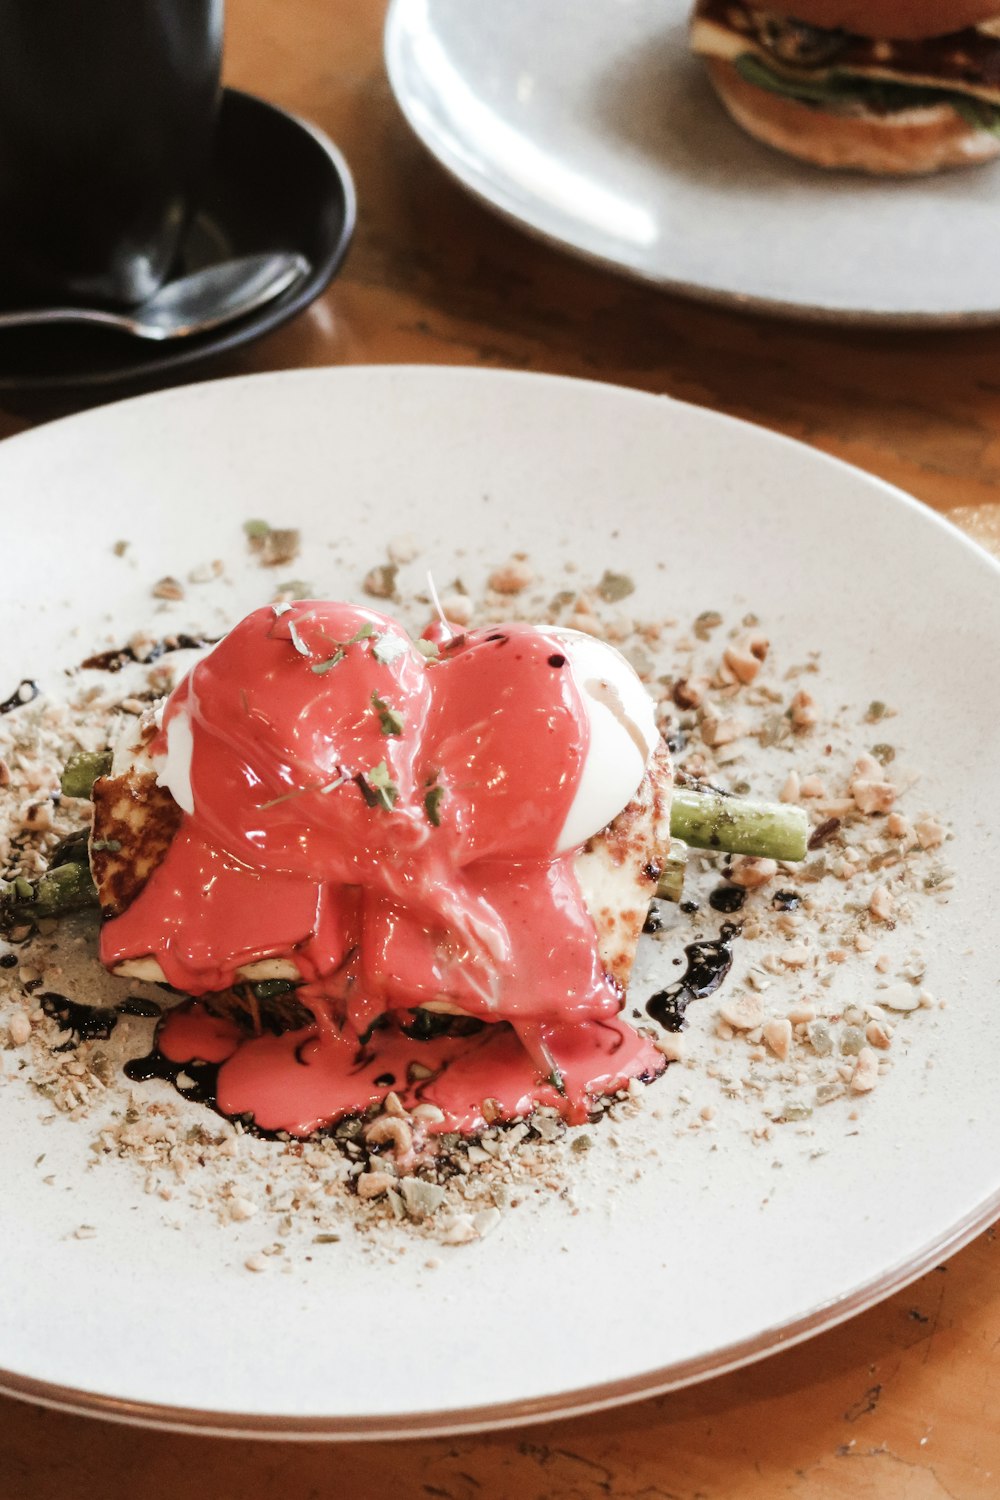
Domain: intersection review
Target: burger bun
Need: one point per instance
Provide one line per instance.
(904, 20)
(904, 143)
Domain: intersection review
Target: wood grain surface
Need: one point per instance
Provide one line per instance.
(902, 1403)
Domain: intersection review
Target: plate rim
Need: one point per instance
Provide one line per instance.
(585, 1399)
(707, 295)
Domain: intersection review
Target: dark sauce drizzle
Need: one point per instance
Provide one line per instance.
(727, 898)
(708, 963)
(87, 1023)
(785, 900)
(119, 656)
(17, 698)
(136, 1006)
(200, 1077)
(8, 960)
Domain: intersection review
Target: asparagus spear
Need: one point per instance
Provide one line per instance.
(731, 825)
(62, 890)
(82, 770)
(699, 816)
(670, 886)
(702, 819)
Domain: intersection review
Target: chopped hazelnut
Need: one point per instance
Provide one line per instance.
(929, 832)
(872, 796)
(20, 1029)
(380, 581)
(512, 578)
(744, 658)
(689, 692)
(881, 904)
(750, 872)
(865, 1075)
(716, 731)
(794, 957)
(168, 588)
(389, 1129)
(403, 549)
(457, 608)
(878, 1034)
(791, 790)
(374, 1184)
(804, 714)
(778, 1036)
(743, 1012)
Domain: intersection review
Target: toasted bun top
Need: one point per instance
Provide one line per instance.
(909, 20)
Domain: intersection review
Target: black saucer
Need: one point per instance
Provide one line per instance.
(276, 184)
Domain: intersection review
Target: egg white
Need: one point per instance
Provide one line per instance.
(623, 735)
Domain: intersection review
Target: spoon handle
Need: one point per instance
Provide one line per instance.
(29, 317)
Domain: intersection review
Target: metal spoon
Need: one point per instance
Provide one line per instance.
(190, 305)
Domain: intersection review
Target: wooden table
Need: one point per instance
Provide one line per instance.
(901, 1403)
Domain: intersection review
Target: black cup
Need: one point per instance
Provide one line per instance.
(107, 110)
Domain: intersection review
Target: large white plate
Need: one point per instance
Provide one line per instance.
(710, 1257)
(595, 128)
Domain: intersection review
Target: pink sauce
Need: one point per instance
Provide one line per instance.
(390, 824)
(304, 1080)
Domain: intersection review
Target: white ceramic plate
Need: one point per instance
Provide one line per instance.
(597, 130)
(709, 1256)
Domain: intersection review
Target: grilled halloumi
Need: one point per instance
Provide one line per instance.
(617, 869)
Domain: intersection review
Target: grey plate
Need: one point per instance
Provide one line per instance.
(597, 130)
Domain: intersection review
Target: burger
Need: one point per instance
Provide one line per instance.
(896, 87)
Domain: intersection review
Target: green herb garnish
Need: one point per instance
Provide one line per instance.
(382, 785)
(432, 805)
(428, 649)
(361, 634)
(389, 718)
(111, 845)
(319, 667)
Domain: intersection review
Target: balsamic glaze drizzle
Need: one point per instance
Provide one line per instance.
(135, 1006)
(119, 656)
(727, 898)
(708, 963)
(200, 1078)
(86, 1023)
(17, 698)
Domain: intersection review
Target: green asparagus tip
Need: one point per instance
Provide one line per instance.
(82, 770)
